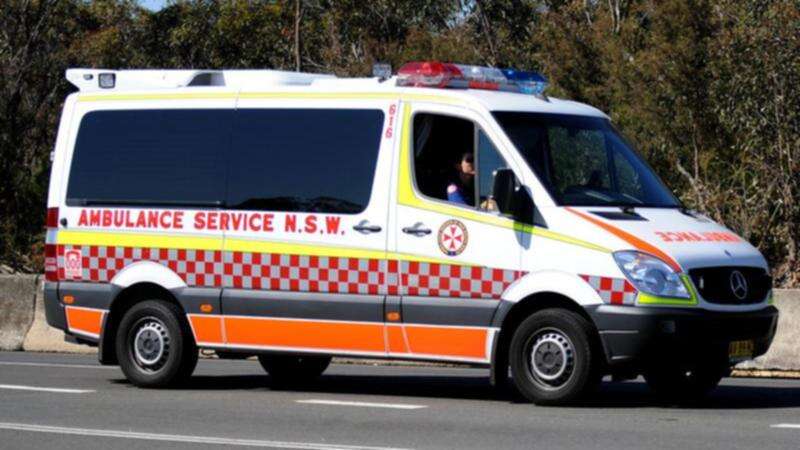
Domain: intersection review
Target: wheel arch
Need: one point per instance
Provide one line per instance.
(511, 314)
(123, 301)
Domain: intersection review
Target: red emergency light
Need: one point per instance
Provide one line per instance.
(435, 74)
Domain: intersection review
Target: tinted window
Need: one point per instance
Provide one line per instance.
(150, 157)
(583, 161)
(441, 143)
(304, 159)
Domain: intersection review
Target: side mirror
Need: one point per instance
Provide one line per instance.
(503, 190)
(511, 199)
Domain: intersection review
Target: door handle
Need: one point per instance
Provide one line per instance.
(417, 230)
(364, 227)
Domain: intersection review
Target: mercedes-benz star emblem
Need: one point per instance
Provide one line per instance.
(738, 285)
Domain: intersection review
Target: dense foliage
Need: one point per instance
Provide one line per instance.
(707, 90)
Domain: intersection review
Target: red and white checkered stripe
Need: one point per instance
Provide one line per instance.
(616, 291)
(447, 280)
(301, 273)
(201, 268)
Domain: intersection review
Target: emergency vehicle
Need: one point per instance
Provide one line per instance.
(299, 216)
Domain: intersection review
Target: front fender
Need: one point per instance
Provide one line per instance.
(567, 284)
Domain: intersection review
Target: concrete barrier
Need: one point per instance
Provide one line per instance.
(784, 354)
(41, 337)
(17, 295)
(23, 325)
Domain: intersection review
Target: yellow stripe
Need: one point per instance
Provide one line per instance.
(142, 240)
(270, 95)
(139, 240)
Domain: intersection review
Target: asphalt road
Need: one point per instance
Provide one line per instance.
(354, 407)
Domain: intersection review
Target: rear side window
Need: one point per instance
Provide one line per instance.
(304, 160)
(151, 158)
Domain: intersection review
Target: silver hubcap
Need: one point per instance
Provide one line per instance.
(151, 344)
(552, 358)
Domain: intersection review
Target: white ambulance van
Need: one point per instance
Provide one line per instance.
(446, 213)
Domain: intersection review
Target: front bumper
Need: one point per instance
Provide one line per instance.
(636, 334)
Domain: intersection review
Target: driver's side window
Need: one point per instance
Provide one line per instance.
(455, 161)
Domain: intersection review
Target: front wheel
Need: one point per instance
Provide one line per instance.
(294, 368)
(154, 345)
(553, 357)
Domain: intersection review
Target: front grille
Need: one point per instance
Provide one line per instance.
(715, 284)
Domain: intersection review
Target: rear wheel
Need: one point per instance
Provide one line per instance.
(154, 345)
(294, 368)
(553, 357)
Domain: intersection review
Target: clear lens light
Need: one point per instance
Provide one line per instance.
(651, 275)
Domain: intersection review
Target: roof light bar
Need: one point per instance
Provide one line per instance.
(439, 75)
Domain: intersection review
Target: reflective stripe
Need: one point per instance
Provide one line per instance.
(175, 241)
(319, 335)
(207, 329)
(85, 321)
(448, 341)
(293, 273)
(123, 239)
(453, 343)
(629, 238)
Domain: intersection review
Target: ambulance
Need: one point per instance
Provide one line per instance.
(445, 213)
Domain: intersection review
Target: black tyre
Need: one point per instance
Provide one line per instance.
(685, 382)
(554, 357)
(285, 369)
(154, 345)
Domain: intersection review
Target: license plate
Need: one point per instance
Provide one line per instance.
(740, 350)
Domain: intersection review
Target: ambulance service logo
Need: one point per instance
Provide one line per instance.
(453, 237)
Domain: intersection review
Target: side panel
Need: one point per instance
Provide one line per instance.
(310, 281)
(104, 247)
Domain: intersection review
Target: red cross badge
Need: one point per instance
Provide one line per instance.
(453, 237)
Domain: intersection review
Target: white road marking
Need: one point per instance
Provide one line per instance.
(361, 404)
(786, 425)
(184, 438)
(71, 366)
(19, 387)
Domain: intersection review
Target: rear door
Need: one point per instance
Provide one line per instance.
(455, 259)
(305, 225)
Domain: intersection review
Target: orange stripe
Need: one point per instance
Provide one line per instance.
(363, 337)
(395, 341)
(85, 320)
(630, 239)
(447, 341)
(207, 329)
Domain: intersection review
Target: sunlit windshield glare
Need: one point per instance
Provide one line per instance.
(583, 161)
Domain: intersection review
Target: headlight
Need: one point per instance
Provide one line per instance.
(651, 275)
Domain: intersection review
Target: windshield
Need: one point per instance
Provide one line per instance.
(583, 161)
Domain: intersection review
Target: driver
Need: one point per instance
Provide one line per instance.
(462, 189)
